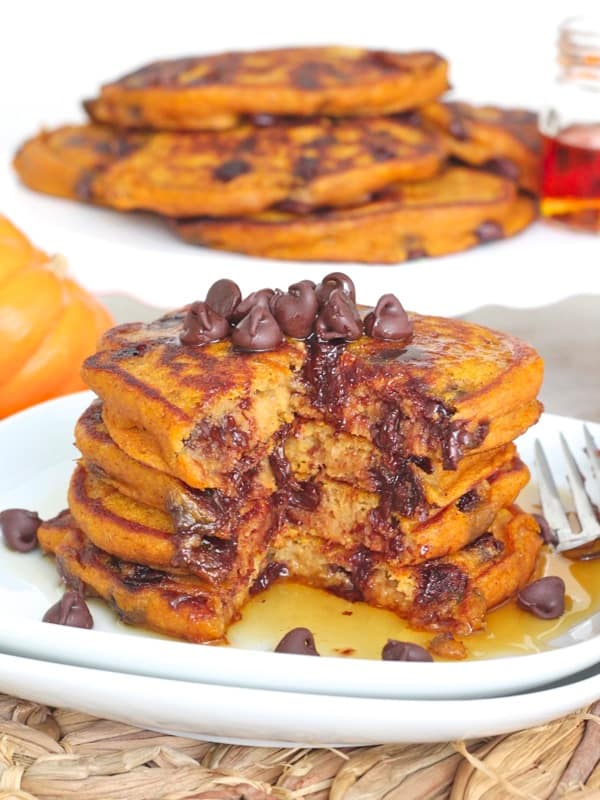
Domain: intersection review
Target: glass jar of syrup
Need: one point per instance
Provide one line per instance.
(570, 128)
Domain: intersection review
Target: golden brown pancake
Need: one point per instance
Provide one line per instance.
(181, 606)
(207, 415)
(454, 211)
(134, 532)
(240, 171)
(209, 91)
(448, 594)
(504, 140)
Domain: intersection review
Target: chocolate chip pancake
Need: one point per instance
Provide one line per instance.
(182, 606)
(240, 171)
(209, 415)
(454, 211)
(503, 140)
(131, 531)
(209, 91)
(448, 594)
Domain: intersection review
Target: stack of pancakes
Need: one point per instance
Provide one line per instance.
(379, 469)
(317, 153)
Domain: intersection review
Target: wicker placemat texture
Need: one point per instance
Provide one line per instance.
(57, 754)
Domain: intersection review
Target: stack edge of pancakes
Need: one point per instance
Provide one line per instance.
(297, 436)
(316, 153)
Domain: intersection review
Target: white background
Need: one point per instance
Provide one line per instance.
(53, 54)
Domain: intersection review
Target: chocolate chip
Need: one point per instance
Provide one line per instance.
(263, 297)
(335, 280)
(296, 310)
(503, 167)
(203, 325)
(257, 331)
(404, 651)
(70, 610)
(382, 152)
(262, 120)
(489, 231)
(299, 641)
(414, 253)
(389, 320)
(223, 297)
(338, 318)
(545, 598)
(231, 169)
(546, 532)
(457, 129)
(19, 529)
(306, 167)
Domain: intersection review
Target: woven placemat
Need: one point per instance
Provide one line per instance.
(57, 754)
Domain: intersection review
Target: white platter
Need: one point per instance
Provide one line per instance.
(135, 254)
(37, 461)
(268, 718)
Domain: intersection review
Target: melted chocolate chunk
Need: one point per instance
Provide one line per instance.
(296, 310)
(136, 576)
(321, 371)
(263, 297)
(503, 167)
(223, 297)
(70, 610)
(231, 169)
(208, 556)
(258, 331)
(335, 280)
(413, 253)
(339, 318)
(19, 529)
(468, 502)
(272, 572)
(306, 167)
(299, 641)
(489, 231)
(546, 532)
(439, 583)
(456, 439)
(544, 598)
(203, 325)
(262, 120)
(389, 320)
(404, 651)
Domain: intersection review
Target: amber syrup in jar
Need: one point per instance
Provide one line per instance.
(570, 129)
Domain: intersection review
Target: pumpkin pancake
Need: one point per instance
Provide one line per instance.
(181, 606)
(240, 171)
(138, 533)
(209, 415)
(310, 449)
(503, 140)
(449, 213)
(208, 91)
(448, 594)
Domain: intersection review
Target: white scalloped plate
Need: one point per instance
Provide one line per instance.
(37, 461)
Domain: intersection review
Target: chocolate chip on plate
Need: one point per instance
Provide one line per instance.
(545, 598)
(223, 297)
(389, 320)
(19, 529)
(404, 651)
(546, 532)
(203, 325)
(70, 610)
(299, 641)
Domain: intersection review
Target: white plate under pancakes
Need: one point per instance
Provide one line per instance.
(37, 459)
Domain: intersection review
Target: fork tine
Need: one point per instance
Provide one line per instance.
(592, 452)
(585, 510)
(551, 504)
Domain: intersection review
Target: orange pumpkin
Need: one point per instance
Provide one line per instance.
(48, 324)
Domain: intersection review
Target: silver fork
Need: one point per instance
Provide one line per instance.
(552, 506)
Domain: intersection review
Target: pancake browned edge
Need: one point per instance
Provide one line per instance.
(211, 91)
(506, 141)
(449, 594)
(457, 210)
(180, 606)
(303, 165)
